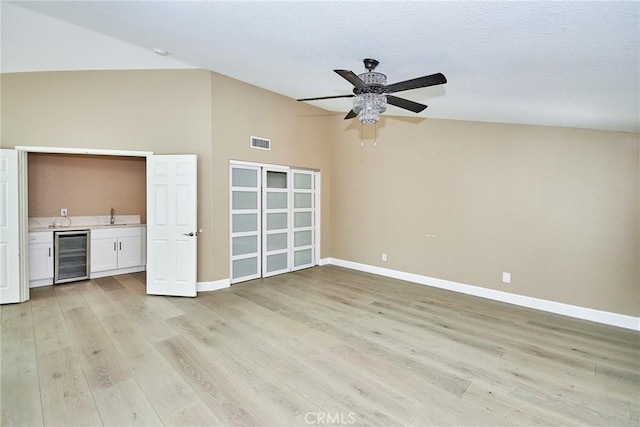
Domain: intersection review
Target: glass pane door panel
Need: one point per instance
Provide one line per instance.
(302, 257)
(276, 221)
(277, 200)
(302, 219)
(244, 178)
(245, 245)
(276, 179)
(244, 222)
(276, 242)
(276, 262)
(302, 238)
(302, 200)
(245, 267)
(244, 200)
(302, 181)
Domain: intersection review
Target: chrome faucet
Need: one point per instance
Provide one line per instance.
(112, 220)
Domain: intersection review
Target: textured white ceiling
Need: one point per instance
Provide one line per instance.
(561, 63)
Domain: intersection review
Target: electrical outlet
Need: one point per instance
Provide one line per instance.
(506, 277)
(63, 212)
(384, 257)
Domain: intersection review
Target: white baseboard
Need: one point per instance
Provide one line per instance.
(117, 272)
(212, 286)
(40, 283)
(605, 317)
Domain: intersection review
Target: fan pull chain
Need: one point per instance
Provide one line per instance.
(375, 134)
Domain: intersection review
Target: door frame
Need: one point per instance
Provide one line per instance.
(23, 214)
(317, 200)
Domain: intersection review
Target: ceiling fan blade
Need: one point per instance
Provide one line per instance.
(350, 115)
(405, 103)
(431, 80)
(352, 78)
(326, 97)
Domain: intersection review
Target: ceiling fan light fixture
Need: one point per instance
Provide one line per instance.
(373, 78)
(371, 94)
(368, 106)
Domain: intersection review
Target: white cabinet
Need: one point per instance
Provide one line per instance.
(40, 259)
(129, 251)
(104, 253)
(116, 250)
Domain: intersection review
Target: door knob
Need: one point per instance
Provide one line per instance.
(189, 234)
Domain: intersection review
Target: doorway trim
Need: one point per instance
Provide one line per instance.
(89, 151)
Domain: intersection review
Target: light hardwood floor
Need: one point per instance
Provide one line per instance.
(320, 346)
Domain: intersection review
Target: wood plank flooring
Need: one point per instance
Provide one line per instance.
(323, 346)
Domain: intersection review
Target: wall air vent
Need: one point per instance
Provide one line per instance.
(260, 143)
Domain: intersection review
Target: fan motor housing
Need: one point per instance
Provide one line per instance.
(370, 64)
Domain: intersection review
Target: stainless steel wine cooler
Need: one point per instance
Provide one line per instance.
(71, 255)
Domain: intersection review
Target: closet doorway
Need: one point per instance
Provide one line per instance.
(274, 220)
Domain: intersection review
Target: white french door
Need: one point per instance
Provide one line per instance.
(245, 222)
(172, 225)
(9, 228)
(276, 218)
(273, 222)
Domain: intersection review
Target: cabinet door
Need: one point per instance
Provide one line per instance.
(40, 261)
(104, 255)
(129, 251)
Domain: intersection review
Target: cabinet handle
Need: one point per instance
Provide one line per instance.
(120, 245)
(49, 252)
(114, 246)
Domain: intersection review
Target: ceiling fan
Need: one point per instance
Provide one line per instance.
(371, 92)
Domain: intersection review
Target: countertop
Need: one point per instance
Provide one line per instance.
(82, 227)
(83, 223)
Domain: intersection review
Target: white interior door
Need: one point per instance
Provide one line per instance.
(245, 222)
(172, 225)
(276, 219)
(303, 202)
(9, 234)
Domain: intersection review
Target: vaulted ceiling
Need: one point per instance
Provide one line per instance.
(560, 63)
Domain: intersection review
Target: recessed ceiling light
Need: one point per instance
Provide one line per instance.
(160, 51)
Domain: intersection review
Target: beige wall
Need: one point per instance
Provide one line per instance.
(464, 201)
(299, 137)
(86, 185)
(164, 111)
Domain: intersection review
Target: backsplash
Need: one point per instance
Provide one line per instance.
(86, 185)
